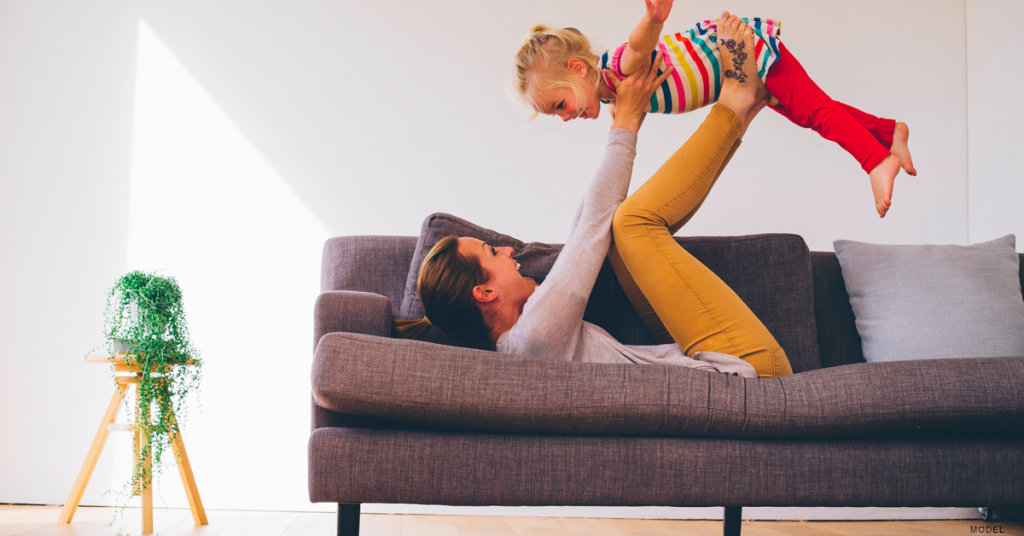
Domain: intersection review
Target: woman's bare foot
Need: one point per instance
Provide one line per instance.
(882, 178)
(742, 86)
(901, 150)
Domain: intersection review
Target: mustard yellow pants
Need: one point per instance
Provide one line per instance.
(680, 299)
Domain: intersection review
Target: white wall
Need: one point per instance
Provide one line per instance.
(66, 91)
(222, 141)
(996, 127)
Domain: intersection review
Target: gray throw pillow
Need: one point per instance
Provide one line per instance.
(928, 302)
(536, 258)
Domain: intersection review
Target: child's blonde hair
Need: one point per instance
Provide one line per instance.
(542, 64)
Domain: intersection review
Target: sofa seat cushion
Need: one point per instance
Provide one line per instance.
(401, 466)
(473, 390)
(771, 273)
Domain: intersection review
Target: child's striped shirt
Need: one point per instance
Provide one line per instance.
(697, 78)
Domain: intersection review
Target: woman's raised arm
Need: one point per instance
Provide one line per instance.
(634, 96)
(552, 318)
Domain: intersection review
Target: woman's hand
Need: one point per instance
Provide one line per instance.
(633, 93)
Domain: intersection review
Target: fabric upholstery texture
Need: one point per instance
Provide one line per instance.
(378, 466)
(838, 340)
(354, 457)
(474, 390)
(375, 264)
(349, 312)
(932, 301)
(325, 418)
(771, 273)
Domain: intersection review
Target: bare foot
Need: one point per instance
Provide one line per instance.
(741, 86)
(901, 150)
(882, 178)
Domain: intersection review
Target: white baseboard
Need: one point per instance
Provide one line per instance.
(663, 512)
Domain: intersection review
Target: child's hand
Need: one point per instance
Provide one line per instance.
(658, 10)
(633, 93)
(644, 38)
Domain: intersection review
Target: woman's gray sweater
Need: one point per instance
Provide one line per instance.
(552, 321)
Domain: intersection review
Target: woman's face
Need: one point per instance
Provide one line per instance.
(505, 280)
(562, 102)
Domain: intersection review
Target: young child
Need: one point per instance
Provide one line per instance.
(558, 74)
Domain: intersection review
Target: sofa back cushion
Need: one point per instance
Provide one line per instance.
(376, 264)
(935, 301)
(771, 273)
(838, 339)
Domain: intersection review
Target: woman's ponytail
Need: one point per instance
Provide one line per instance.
(410, 329)
(445, 286)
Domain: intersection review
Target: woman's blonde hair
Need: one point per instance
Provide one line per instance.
(542, 64)
(445, 286)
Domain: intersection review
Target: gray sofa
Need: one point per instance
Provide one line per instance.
(398, 421)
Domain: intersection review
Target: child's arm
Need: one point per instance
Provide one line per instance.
(645, 36)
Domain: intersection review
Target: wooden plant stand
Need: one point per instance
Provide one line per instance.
(129, 376)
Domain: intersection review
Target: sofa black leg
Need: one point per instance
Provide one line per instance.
(348, 519)
(733, 517)
(1005, 513)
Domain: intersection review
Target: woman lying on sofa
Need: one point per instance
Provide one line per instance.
(475, 294)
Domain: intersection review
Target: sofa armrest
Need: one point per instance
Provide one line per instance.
(351, 312)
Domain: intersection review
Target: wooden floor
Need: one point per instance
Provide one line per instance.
(42, 521)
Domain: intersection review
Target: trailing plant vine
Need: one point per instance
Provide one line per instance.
(145, 316)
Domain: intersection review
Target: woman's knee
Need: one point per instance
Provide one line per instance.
(631, 215)
(622, 219)
(771, 362)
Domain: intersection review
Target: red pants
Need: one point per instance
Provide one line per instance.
(866, 137)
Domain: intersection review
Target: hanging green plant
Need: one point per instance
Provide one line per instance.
(145, 319)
